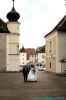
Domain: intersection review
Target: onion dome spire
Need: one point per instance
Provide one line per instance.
(13, 15)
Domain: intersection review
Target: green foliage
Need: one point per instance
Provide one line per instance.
(40, 49)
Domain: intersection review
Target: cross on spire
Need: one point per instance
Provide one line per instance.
(13, 3)
(65, 3)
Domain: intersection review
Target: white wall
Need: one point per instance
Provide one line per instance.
(13, 27)
(61, 51)
(62, 45)
(13, 63)
(23, 58)
(32, 58)
(41, 58)
(12, 59)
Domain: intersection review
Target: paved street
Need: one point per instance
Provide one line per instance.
(12, 86)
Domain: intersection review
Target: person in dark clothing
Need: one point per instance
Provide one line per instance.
(25, 73)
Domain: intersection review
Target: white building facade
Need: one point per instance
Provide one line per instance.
(41, 58)
(9, 49)
(12, 43)
(27, 56)
(23, 58)
(32, 58)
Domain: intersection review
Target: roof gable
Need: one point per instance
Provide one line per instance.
(3, 27)
(61, 26)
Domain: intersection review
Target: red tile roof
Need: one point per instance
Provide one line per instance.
(30, 51)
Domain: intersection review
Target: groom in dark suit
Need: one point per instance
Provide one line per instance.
(25, 72)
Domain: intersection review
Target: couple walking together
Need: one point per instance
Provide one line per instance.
(30, 74)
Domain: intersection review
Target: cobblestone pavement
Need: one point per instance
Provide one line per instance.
(12, 86)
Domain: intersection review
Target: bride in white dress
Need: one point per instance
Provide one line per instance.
(32, 76)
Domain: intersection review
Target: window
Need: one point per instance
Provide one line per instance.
(27, 57)
(42, 56)
(50, 46)
(23, 62)
(23, 55)
(50, 64)
(18, 48)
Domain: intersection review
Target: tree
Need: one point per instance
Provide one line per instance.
(40, 49)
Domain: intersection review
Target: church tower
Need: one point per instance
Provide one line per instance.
(12, 48)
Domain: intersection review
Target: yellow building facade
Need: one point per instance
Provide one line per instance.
(56, 48)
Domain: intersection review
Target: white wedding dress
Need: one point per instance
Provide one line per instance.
(32, 76)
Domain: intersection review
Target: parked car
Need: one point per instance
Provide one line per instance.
(40, 66)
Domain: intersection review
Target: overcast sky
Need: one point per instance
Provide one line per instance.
(37, 18)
